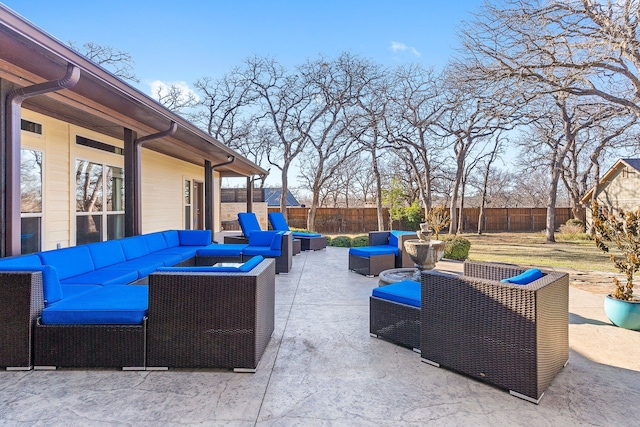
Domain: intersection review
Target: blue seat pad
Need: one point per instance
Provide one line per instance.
(102, 277)
(69, 291)
(261, 250)
(184, 252)
(109, 305)
(144, 268)
(224, 249)
(369, 251)
(302, 235)
(165, 258)
(406, 292)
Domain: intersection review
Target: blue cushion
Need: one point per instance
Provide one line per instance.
(369, 251)
(263, 238)
(247, 266)
(261, 250)
(134, 247)
(110, 305)
(394, 236)
(103, 277)
(524, 278)
(24, 260)
(155, 242)
(276, 243)
(51, 289)
(406, 292)
(248, 223)
(184, 252)
(171, 238)
(68, 262)
(307, 235)
(72, 290)
(226, 249)
(278, 222)
(195, 237)
(142, 266)
(106, 253)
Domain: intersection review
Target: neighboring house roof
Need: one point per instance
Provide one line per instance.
(604, 181)
(272, 197)
(101, 101)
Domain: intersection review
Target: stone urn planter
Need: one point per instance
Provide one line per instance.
(625, 314)
(424, 252)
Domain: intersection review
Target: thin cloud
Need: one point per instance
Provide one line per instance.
(401, 47)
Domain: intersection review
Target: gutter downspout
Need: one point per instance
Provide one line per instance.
(208, 190)
(12, 152)
(137, 174)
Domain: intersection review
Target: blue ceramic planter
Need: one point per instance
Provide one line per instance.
(625, 314)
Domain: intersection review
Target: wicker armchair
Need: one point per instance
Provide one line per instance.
(515, 337)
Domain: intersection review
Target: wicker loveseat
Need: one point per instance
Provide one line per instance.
(511, 336)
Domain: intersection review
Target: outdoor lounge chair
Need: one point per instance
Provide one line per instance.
(309, 241)
(394, 313)
(513, 336)
(249, 224)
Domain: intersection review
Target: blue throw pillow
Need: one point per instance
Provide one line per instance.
(524, 278)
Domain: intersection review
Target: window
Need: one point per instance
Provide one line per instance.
(187, 204)
(32, 127)
(31, 180)
(99, 202)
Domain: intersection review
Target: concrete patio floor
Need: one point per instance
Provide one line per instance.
(323, 369)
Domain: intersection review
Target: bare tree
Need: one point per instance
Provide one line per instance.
(119, 62)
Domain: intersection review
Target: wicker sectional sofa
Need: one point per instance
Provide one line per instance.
(89, 305)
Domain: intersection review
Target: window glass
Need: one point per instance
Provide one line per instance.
(88, 229)
(115, 189)
(31, 181)
(88, 186)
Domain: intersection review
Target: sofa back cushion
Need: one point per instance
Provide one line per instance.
(278, 222)
(171, 238)
(134, 247)
(248, 223)
(195, 237)
(262, 238)
(68, 262)
(155, 242)
(24, 260)
(106, 253)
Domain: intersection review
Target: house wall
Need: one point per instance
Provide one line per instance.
(229, 212)
(162, 180)
(621, 192)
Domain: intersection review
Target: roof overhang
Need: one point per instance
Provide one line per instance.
(101, 101)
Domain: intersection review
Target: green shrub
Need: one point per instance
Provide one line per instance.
(328, 240)
(360, 241)
(341, 241)
(457, 248)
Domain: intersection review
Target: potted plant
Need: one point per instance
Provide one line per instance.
(622, 235)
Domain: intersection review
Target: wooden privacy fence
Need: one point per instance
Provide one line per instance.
(363, 220)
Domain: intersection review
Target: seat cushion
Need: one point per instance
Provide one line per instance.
(524, 278)
(394, 236)
(195, 237)
(369, 251)
(261, 250)
(68, 262)
(106, 253)
(72, 290)
(103, 277)
(110, 305)
(184, 252)
(141, 266)
(224, 249)
(307, 235)
(405, 292)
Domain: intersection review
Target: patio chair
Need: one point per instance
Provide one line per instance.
(385, 252)
(513, 336)
(394, 313)
(249, 224)
(309, 241)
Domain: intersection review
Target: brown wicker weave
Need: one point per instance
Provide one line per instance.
(373, 265)
(515, 337)
(210, 320)
(21, 302)
(395, 322)
(312, 243)
(89, 346)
